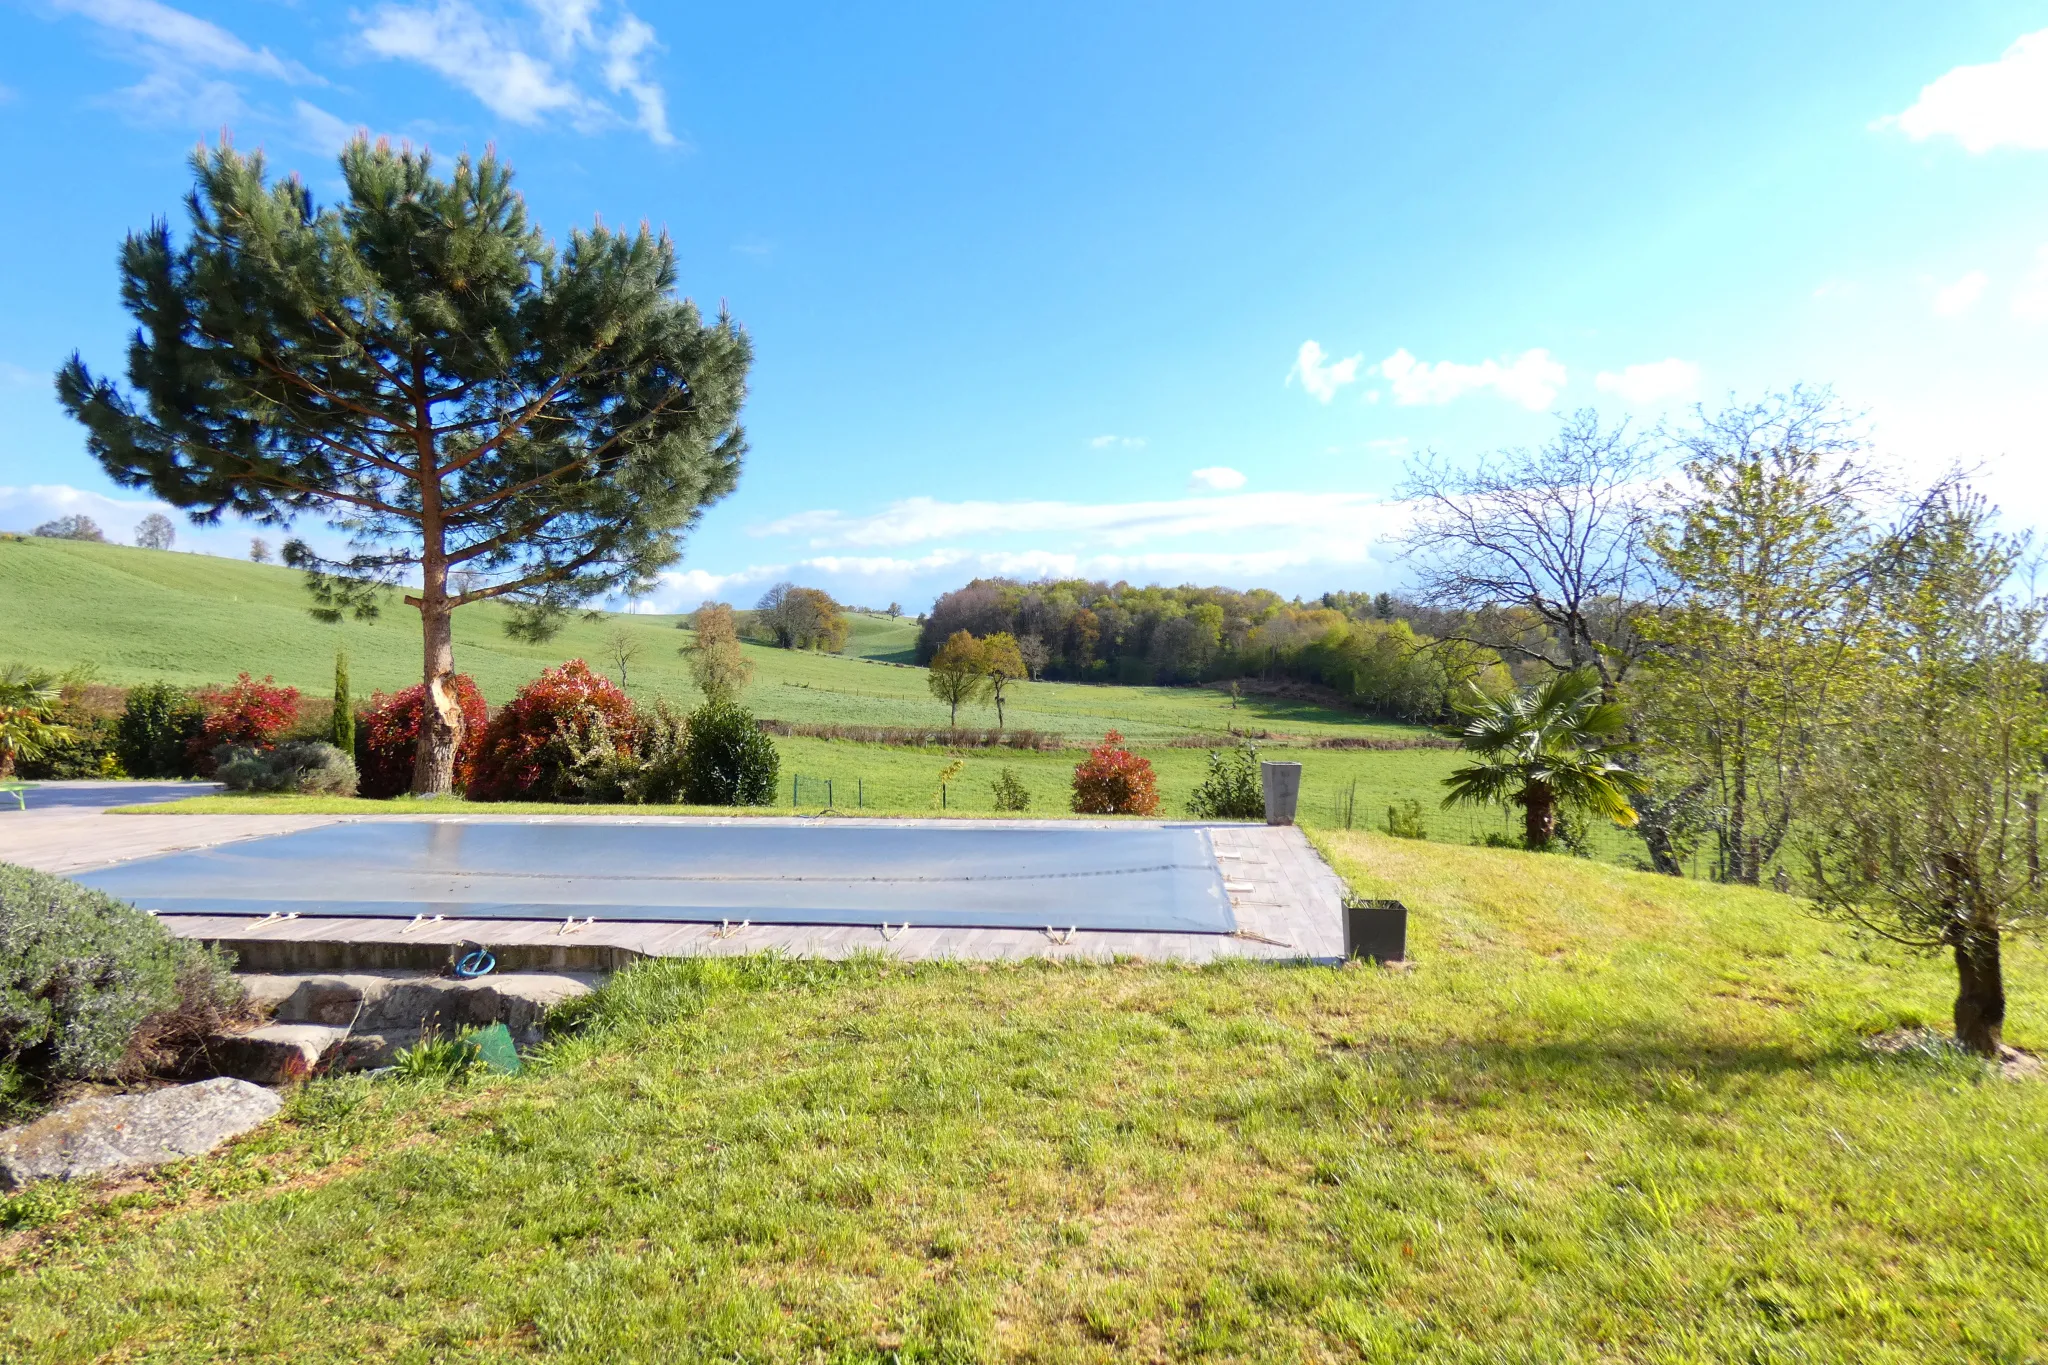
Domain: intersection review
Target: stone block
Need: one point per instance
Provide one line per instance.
(124, 1134)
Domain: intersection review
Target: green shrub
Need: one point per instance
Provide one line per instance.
(308, 767)
(89, 749)
(1010, 791)
(664, 750)
(1404, 820)
(727, 761)
(91, 986)
(155, 733)
(1230, 790)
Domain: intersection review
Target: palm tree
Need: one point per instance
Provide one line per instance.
(1545, 747)
(28, 726)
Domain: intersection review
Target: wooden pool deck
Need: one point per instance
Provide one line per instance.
(1288, 904)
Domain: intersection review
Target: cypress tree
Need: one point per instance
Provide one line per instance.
(344, 707)
(481, 415)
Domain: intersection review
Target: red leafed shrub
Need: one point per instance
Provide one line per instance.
(536, 737)
(388, 738)
(249, 713)
(1114, 781)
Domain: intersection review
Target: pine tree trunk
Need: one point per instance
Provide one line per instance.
(1980, 991)
(433, 771)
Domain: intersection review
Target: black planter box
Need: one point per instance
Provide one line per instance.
(1375, 929)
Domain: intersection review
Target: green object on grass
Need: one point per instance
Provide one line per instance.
(495, 1050)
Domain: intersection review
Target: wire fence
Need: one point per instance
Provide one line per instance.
(1327, 805)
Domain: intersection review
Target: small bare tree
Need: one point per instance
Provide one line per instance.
(622, 647)
(1923, 820)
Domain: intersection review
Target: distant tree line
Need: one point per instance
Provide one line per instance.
(1384, 654)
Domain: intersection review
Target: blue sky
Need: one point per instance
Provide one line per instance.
(1167, 293)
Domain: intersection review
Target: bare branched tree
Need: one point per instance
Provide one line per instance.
(622, 647)
(1552, 538)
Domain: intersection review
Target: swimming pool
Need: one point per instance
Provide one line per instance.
(1142, 878)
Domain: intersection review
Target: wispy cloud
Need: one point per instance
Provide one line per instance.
(1656, 381)
(188, 60)
(1988, 105)
(1954, 300)
(1221, 478)
(1320, 376)
(1530, 379)
(530, 69)
(917, 521)
(1112, 442)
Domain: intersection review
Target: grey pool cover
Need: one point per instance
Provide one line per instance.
(1148, 879)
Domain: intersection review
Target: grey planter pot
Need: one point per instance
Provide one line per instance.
(1375, 930)
(1281, 783)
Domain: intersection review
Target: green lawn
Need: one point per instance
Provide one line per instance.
(1606, 1117)
(138, 615)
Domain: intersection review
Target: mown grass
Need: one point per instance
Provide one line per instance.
(139, 615)
(1606, 1117)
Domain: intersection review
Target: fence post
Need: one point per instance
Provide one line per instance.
(828, 792)
(795, 802)
(860, 794)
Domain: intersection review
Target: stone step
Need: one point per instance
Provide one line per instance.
(383, 1002)
(315, 1023)
(275, 1053)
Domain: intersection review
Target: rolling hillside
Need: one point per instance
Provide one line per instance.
(138, 615)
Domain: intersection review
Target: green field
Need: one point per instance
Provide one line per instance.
(1607, 1117)
(139, 615)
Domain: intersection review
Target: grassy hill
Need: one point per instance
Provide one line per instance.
(1606, 1117)
(138, 615)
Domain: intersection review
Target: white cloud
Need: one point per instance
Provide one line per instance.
(1222, 478)
(1320, 379)
(321, 130)
(1953, 300)
(1993, 104)
(1530, 379)
(1653, 382)
(1106, 442)
(918, 521)
(624, 52)
(490, 57)
(173, 35)
(185, 58)
(2030, 304)
(694, 586)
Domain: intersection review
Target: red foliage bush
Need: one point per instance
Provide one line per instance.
(1114, 781)
(519, 760)
(250, 713)
(388, 738)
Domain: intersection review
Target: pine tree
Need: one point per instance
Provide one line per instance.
(420, 367)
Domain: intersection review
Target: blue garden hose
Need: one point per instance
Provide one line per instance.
(479, 962)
